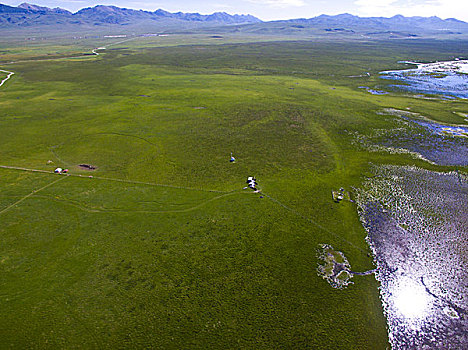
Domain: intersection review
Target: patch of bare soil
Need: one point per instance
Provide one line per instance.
(87, 167)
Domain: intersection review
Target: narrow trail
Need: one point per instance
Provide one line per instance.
(112, 179)
(25, 169)
(314, 223)
(150, 184)
(125, 135)
(54, 153)
(88, 209)
(52, 150)
(31, 194)
(8, 76)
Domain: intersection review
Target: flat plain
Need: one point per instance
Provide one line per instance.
(160, 246)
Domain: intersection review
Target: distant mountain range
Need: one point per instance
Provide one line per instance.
(363, 27)
(41, 18)
(395, 23)
(26, 15)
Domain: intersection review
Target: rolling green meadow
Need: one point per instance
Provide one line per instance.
(161, 247)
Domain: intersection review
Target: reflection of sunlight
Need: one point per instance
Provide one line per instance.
(411, 299)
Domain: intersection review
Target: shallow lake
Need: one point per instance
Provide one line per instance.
(426, 80)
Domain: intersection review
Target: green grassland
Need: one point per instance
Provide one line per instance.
(162, 248)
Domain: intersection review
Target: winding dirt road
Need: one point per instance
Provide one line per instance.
(8, 76)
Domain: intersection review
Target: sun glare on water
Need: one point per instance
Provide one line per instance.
(411, 299)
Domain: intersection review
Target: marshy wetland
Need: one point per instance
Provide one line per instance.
(150, 241)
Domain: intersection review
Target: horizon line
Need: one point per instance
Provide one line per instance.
(233, 14)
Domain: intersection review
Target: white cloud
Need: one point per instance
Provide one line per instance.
(374, 3)
(279, 3)
(222, 6)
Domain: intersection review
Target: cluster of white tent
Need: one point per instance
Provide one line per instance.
(60, 171)
(252, 183)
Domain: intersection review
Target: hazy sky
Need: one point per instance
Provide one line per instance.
(281, 9)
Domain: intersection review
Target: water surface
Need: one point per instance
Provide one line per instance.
(433, 79)
(418, 229)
